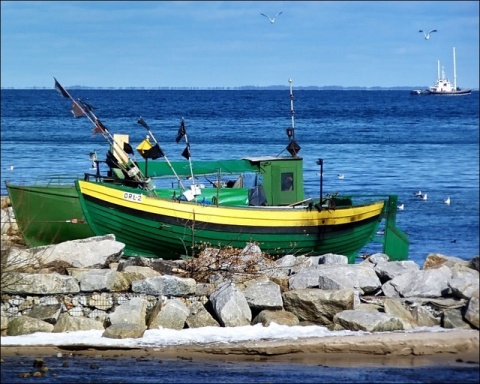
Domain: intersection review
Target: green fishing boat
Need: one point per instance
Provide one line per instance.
(164, 223)
(49, 213)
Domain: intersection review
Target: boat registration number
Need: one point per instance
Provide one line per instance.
(136, 197)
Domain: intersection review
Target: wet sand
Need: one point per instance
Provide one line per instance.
(458, 347)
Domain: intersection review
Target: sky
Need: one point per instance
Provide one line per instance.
(164, 337)
(228, 44)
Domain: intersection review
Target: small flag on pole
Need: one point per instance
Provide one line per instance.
(77, 110)
(181, 131)
(186, 152)
(99, 128)
(154, 153)
(127, 148)
(61, 90)
(142, 122)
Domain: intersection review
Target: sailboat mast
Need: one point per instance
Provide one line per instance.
(454, 70)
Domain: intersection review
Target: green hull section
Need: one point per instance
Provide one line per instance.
(48, 214)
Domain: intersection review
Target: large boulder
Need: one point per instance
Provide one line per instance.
(41, 284)
(319, 306)
(93, 252)
(356, 320)
(230, 306)
(67, 323)
(25, 325)
(165, 285)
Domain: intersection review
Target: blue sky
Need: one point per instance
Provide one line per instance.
(209, 44)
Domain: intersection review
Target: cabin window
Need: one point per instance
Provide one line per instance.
(287, 181)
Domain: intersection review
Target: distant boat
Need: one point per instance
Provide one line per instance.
(418, 92)
(443, 87)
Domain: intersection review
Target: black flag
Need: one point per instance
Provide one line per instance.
(142, 122)
(61, 90)
(181, 131)
(186, 152)
(127, 148)
(154, 153)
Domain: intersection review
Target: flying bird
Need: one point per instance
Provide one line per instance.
(341, 176)
(401, 207)
(447, 200)
(427, 35)
(272, 20)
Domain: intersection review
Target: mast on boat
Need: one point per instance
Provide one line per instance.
(454, 71)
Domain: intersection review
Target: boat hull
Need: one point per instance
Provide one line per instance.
(450, 93)
(158, 227)
(48, 214)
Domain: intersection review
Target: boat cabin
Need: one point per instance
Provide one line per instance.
(268, 180)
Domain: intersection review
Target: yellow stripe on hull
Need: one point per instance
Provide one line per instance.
(243, 216)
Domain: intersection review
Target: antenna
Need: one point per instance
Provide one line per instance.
(293, 148)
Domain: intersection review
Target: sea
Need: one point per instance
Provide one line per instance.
(382, 141)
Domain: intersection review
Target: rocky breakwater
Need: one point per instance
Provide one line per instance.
(87, 284)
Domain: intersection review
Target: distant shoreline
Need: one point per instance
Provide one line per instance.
(241, 88)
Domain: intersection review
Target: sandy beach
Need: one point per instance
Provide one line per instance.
(457, 347)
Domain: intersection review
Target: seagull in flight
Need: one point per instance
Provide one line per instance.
(447, 200)
(271, 20)
(427, 35)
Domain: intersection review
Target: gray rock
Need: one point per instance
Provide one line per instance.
(399, 309)
(131, 312)
(264, 294)
(359, 277)
(3, 322)
(318, 306)
(378, 258)
(426, 316)
(199, 316)
(387, 271)
(464, 282)
(355, 320)
(332, 258)
(93, 252)
(26, 325)
(42, 284)
(172, 315)
(473, 308)
(135, 273)
(452, 318)
(230, 306)
(165, 285)
(125, 331)
(67, 323)
(48, 313)
(281, 317)
(306, 278)
(423, 283)
(103, 280)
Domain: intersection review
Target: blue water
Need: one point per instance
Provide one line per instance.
(81, 369)
(382, 141)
